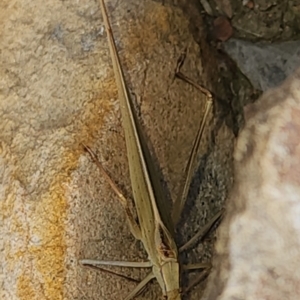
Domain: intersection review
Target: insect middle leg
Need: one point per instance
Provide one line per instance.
(188, 172)
(180, 201)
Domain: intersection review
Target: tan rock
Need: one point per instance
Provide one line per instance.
(58, 90)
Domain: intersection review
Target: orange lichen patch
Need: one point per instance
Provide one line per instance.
(25, 288)
(159, 19)
(42, 273)
(98, 109)
(155, 17)
(49, 255)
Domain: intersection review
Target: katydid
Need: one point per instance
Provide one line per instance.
(155, 227)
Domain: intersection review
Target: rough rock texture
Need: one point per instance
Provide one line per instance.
(57, 90)
(258, 19)
(265, 64)
(258, 248)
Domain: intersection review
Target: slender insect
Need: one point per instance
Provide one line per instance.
(155, 226)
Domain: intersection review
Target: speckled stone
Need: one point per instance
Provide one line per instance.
(258, 247)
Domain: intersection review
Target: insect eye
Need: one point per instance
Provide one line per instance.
(164, 243)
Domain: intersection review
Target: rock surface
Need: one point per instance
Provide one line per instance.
(258, 248)
(58, 90)
(265, 65)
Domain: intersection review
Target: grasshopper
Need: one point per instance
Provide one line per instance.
(155, 226)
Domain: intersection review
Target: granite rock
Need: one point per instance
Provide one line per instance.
(258, 247)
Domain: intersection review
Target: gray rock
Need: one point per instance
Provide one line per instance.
(266, 65)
